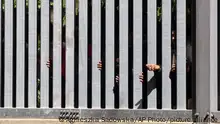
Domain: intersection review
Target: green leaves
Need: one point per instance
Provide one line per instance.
(159, 13)
(159, 9)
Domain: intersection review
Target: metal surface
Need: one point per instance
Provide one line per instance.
(166, 54)
(137, 52)
(96, 53)
(70, 49)
(152, 52)
(8, 64)
(213, 84)
(110, 47)
(44, 70)
(206, 71)
(20, 63)
(216, 114)
(181, 54)
(95, 113)
(57, 53)
(1, 46)
(206, 56)
(123, 53)
(83, 37)
(32, 54)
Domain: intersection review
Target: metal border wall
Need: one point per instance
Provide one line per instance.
(205, 71)
(207, 58)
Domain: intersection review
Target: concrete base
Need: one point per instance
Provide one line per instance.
(55, 121)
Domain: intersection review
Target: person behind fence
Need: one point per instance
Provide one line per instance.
(172, 73)
(116, 87)
(49, 62)
(99, 65)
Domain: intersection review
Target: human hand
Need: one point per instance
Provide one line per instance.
(48, 63)
(141, 77)
(152, 67)
(117, 79)
(99, 65)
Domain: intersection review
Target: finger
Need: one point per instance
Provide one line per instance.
(99, 65)
(48, 65)
(153, 68)
(148, 65)
(173, 68)
(141, 75)
(157, 67)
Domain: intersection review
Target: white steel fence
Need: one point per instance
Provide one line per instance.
(49, 56)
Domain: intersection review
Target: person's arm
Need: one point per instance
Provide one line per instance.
(172, 74)
(158, 71)
(151, 67)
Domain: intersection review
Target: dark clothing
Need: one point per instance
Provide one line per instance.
(174, 96)
(173, 78)
(188, 82)
(173, 75)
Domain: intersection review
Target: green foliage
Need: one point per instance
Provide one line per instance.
(159, 9)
